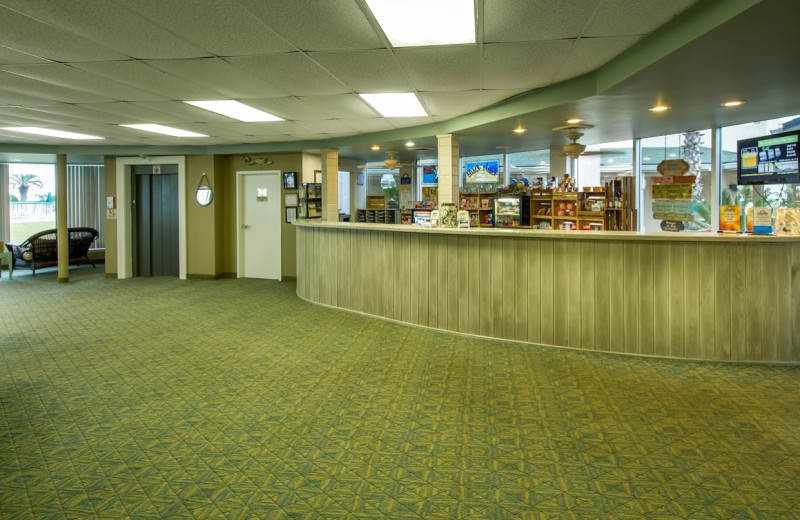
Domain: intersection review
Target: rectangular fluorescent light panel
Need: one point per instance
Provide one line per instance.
(166, 130)
(415, 23)
(404, 104)
(235, 110)
(49, 132)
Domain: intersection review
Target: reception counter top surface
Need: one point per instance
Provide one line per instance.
(554, 233)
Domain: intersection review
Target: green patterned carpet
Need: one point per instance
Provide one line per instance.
(159, 398)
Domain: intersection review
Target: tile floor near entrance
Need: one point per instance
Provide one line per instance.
(161, 398)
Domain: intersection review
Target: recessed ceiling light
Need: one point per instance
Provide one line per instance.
(520, 130)
(409, 144)
(166, 130)
(375, 147)
(574, 121)
(658, 108)
(413, 23)
(734, 103)
(235, 110)
(49, 132)
(400, 104)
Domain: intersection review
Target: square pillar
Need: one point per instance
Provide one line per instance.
(330, 184)
(448, 168)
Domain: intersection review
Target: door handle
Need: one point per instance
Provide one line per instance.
(246, 226)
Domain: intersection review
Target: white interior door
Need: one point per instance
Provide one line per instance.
(259, 225)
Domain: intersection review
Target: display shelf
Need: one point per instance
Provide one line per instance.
(376, 216)
(310, 195)
(479, 205)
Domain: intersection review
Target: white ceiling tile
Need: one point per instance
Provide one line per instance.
(145, 77)
(290, 108)
(589, 54)
(45, 41)
(34, 87)
(452, 103)
(141, 112)
(267, 128)
(405, 122)
(385, 74)
(294, 71)
(490, 97)
(630, 17)
(229, 80)
(11, 97)
(447, 67)
(64, 113)
(111, 25)
(312, 25)
(222, 28)
(327, 126)
(13, 57)
(346, 106)
(526, 65)
(70, 77)
(526, 20)
(376, 124)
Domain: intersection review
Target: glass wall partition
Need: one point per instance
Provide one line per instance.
(533, 167)
(695, 148)
(774, 196)
(604, 162)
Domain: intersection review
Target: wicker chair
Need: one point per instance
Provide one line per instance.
(41, 250)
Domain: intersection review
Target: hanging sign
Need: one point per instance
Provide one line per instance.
(674, 167)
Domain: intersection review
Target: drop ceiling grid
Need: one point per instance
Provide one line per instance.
(45, 41)
(442, 68)
(314, 25)
(10, 56)
(230, 81)
(296, 71)
(630, 17)
(587, 54)
(523, 20)
(527, 65)
(47, 91)
(62, 75)
(111, 25)
(221, 28)
(365, 71)
(342, 106)
(145, 77)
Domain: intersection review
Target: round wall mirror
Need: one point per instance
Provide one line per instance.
(204, 194)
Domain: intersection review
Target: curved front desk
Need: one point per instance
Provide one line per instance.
(686, 296)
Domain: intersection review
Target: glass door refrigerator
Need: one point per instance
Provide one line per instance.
(512, 211)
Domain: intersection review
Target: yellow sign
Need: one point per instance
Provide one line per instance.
(676, 167)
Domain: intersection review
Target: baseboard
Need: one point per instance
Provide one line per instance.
(288, 278)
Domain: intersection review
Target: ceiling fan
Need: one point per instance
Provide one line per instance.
(389, 163)
(574, 149)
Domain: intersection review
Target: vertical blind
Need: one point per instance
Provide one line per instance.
(86, 206)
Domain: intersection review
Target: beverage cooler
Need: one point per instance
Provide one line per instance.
(512, 211)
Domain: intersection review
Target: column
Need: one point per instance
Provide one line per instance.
(448, 168)
(330, 184)
(61, 218)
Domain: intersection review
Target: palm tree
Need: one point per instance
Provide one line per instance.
(23, 181)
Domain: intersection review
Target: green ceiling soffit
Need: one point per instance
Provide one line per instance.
(701, 18)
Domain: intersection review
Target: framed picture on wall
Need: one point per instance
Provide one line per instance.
(289, 180)
(291, 215)
(290, 200)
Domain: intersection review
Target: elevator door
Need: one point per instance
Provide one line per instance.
(156, 224)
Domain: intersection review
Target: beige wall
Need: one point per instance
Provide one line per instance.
(110, 179)
(211, 231)
(233, 164)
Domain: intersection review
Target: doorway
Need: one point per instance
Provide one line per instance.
(259, 222)
(155, 220)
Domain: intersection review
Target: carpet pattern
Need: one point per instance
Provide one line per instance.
(161, 398)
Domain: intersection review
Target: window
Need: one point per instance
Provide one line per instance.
(695, 148)
(769, 195)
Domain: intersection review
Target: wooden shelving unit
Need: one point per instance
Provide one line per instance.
(480, 207)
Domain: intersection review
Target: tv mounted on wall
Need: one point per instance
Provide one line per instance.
(769, 159)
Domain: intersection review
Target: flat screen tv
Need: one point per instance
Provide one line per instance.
(770, 159)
